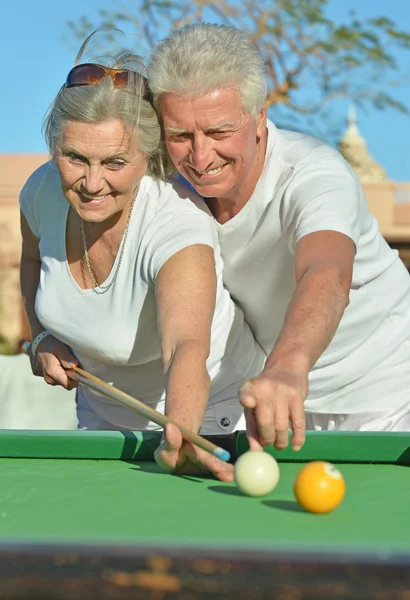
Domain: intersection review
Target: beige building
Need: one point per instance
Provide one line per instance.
(14, 171)
(389, 201)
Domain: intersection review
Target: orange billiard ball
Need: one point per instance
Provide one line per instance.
(319, 487)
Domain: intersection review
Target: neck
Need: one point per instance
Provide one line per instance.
(97, 230)
(224, 209)
(110, 226)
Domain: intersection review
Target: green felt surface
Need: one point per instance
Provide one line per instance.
(115, 501)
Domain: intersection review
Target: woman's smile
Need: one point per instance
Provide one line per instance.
(100, 167)
(93, 200)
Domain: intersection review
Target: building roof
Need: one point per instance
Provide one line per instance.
(354, 149)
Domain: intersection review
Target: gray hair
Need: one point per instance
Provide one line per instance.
(102, 102)
(202, 57)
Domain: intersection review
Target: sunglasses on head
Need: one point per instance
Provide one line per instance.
(93, 74)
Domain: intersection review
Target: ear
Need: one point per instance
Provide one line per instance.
(261, 123)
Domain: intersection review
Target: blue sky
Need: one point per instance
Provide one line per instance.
(35, 38)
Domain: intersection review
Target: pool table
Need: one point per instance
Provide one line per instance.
(91, 515)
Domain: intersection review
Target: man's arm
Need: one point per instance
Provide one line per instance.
(323, 272)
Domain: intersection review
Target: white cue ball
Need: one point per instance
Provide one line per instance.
(256, 473)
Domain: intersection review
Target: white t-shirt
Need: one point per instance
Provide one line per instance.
(114, 335)
(307, 186)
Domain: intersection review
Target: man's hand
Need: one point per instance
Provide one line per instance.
(52, 360)
(272, 402)
(275, 399)
(182, 458)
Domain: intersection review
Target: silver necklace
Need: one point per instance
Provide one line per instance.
(102, 289)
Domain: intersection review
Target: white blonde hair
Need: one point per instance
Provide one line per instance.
(98, 103)
(202, 57)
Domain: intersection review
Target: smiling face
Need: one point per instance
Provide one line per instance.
(214, 144)
(100, 168)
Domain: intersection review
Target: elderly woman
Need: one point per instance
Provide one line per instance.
(121, 273)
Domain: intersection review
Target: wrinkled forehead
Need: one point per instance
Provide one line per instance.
(103, 138)
(216, 109)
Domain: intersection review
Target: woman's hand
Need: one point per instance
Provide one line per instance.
(51, 362)
(182, 458)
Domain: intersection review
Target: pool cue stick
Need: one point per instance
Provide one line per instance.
(98, 385)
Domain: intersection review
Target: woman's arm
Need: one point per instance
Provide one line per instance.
(53, 357)
(185, 292)
(30, 267)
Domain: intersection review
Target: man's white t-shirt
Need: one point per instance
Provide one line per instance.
(114, 335)
(307, 186)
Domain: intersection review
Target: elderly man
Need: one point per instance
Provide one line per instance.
(325, 296)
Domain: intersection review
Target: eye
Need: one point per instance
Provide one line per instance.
(115, 164)
(178, 137)
(218, 135)
(74, 158)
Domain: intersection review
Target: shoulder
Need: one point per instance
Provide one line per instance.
(310, 172)
(178, 218)
(175, 214)
(42, 185)
(35, 197)
(304, 153)
(45, 176)
(175, 197)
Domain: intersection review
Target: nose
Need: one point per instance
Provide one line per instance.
(202, 152)
(93, 179)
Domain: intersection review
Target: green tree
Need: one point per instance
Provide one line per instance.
(311, 61)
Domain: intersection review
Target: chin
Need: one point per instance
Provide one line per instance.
(93, 217)
(211, 190)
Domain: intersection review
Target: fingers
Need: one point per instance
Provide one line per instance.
(66, 358)
(167, 455)
(49, 380)
(271, 410)
(260, 402)
(248, 401)
(265, 419)
(60, 350)
(71, 384)
(175, 454)
(53, 358)
(252, 431)
(221, 470)
(55, 374)
(68, 361)
(247, 395)
(173, 437)
(298, 423)
(282, 424)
